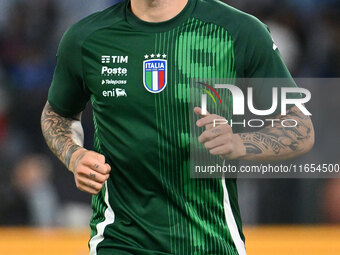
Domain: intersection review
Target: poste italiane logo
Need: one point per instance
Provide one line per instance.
(155, 72)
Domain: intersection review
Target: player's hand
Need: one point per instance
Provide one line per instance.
(90, 170)
(219, 140)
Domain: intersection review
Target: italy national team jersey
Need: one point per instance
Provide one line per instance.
(136, 75)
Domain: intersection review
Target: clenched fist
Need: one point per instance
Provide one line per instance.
(219, 140)
(90, 170)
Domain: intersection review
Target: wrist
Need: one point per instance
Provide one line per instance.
(240, 148)
(76, 155)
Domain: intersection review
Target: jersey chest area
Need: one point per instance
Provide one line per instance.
(135, 68)
(121, 74)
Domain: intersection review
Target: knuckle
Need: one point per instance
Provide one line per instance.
(101, 158)
(227, 149)
(80, 170)
(101, 179)
(92, 153)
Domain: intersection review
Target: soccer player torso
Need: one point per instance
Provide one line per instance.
(140, 93)
(138, 77)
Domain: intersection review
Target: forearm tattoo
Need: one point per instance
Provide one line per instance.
(57, 131)
(278, 139)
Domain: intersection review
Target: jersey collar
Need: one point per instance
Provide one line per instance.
(139, 24)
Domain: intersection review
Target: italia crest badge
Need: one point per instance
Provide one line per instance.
(155, 72)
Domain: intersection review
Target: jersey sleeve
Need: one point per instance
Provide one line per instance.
(263, 59)
(68, 94)
(264, 66)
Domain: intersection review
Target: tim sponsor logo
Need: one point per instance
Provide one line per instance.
(115, 59)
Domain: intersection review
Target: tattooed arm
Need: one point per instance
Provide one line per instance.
(64, 136)
(270, 143)
(279, 143)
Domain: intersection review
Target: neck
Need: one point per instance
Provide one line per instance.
(157, 10)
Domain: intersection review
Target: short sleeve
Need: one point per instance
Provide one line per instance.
(264, 64)
(263, 59)
(68, 94)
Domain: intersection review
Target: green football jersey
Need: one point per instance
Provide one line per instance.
(136, 75)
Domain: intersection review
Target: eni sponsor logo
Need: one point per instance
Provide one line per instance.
(116, 92)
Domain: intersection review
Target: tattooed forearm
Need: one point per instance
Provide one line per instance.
(280, 142)
(258, 142)
(63, 135)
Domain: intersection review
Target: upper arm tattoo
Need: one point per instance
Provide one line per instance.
(57, 131)
(277, 139)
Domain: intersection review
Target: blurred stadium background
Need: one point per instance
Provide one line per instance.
(41, 211)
